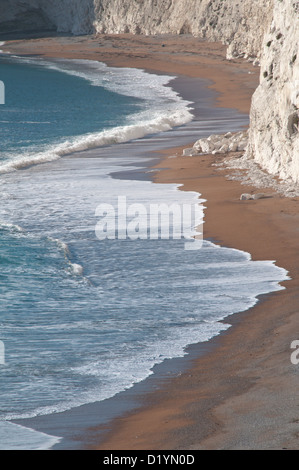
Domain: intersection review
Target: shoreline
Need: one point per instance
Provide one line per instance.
(219, 401)
(223, 398)
(234, 80)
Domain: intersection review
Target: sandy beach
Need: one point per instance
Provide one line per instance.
(241, 392)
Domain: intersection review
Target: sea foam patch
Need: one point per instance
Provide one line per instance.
(16, 437)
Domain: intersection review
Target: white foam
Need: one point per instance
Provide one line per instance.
(16, 437)
(121, 373)
(62, 245)
(127, 81)
(116, 135)
(10, 227)
(76, 269)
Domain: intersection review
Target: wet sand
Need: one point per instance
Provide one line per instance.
(242, 392)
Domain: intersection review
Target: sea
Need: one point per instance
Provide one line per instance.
(82, 317)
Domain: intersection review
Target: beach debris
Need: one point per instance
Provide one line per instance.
(220, 143)
(189, 152)
(246, 196)
(259, 196)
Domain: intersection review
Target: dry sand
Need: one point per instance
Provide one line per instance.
(241, 393)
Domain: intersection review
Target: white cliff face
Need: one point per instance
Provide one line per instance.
(274, 116)
(240, 24)
(266, 29)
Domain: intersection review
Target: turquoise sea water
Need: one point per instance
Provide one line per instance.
(83, 319)
(44, 106)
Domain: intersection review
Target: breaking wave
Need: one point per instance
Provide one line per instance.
(162, 110)
(113, 136)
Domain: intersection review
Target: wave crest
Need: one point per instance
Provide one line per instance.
(117, 135)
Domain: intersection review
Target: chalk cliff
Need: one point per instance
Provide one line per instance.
(239, 24)
(261, 30)
(274, 116)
